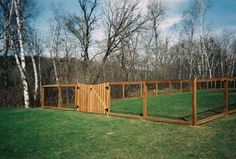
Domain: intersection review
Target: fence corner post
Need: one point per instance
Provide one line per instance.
(145, 99)
(225, 97)
(194, 102)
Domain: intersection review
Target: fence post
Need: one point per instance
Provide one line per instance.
(123, 90)
(194, 102)
(225, 97)
(145, 100)
(59, 96)
(42, 97)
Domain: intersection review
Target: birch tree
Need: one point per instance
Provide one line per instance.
(21, 64)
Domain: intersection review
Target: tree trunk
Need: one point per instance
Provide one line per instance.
(36, 83)
(22, 65)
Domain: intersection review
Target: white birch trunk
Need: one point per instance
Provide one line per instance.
(36, 84)
(40, 76)
(22, 58)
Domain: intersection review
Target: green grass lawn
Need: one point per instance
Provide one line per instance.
(177, 106)
(36, 133)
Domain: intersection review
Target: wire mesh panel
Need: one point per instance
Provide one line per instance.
(132, 91)
(172, 104)
(51, 96)
(186, 86)
(231, 95)
(176, 87)
(163, 88)
(219, 85)
(126, 99)
(116, 91)
(68, 97)
(210, 101)
(152, 89)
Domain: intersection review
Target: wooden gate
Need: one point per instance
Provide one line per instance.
(93, 98)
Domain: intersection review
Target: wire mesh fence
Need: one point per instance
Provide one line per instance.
(172, 102)
(181, 101)
(68, 96)
(190, 102)
(51, 96)
(210, 99)
(126, 99)
(59, 96)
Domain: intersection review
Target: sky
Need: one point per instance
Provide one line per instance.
(221, 15)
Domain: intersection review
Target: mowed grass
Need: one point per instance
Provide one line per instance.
(177, 106)
(36, 133)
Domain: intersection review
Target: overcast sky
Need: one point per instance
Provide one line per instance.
(221, 15)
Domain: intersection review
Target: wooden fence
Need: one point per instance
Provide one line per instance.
(87, 98)
(97, 98)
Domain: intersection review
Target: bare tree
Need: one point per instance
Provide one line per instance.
(82, 26)
(120, 22)
(156, 12)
